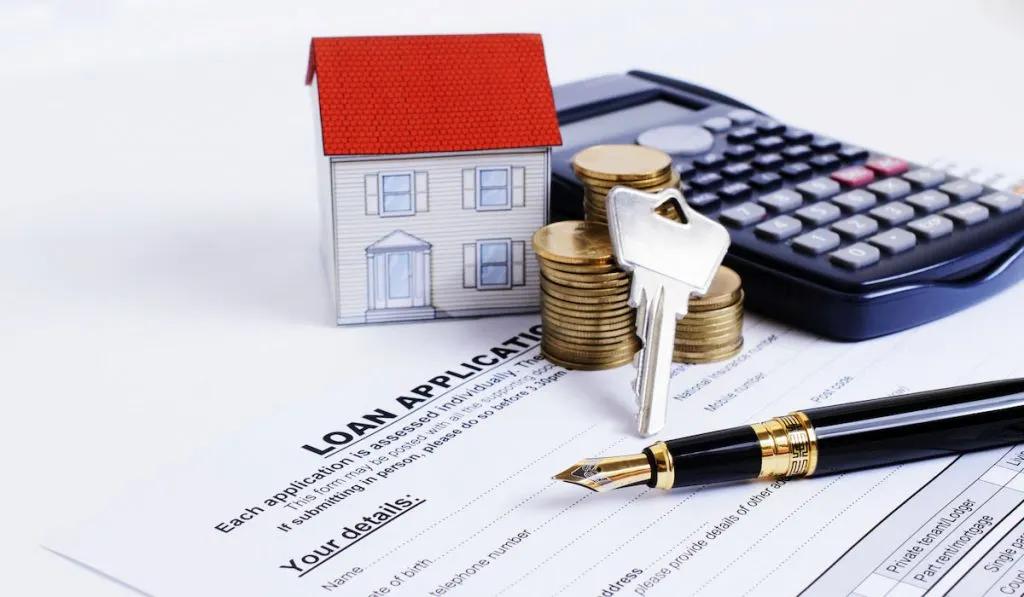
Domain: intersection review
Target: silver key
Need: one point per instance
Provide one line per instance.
(669, 261)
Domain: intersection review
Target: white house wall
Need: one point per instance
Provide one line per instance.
(323, 190)
(446, 225)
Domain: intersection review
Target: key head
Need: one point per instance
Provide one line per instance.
(689, 252)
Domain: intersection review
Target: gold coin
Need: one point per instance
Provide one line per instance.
(620, 162)
(581, 269)
(726, 289)
(570, 307)
(661, 180)
(594, 320)
(709, 334)
(722, 341)
(698, 316)
(601, 290)
(574, 242)
(708, 326)
(697, 358)
(583, 281)
(592, 341)
(577, 355)
(581, 366)
(601, 337)
(591, 327)
(578, 296)
(687, 325)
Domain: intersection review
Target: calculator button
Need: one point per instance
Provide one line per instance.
(817, 242)
(779, 229)
(734, 191)
(962, 190)
(797, 171)
(770, 127)
(931, 227)
(742, 215)
(742, 116)
(797, 152)
(739, 152)
(706, 181)
(742, 135)
(709, 161)
(718, 124)
(769, 143)
(797, 136)
(855, 256)
(849, 153)
(929, 201)
(685, 170)
(855, 201)
(856, 227)
(819, 188)
(825, 162)
(890, 188)
(824, 144)
(925, 178)
(967, 214)
(894, 241)
(887, 166)
(1001, 202)
(819, 214)
(677, 139)
(702, 199)
(893, 214)
(765, 181)
(737, 170)
(782, 201)
(854, 176)
(768, 161)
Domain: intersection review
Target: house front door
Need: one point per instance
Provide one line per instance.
(398, 278)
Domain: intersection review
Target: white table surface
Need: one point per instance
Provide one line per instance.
(159, 278)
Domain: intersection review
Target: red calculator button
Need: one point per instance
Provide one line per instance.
(887, 166)
(854, 176)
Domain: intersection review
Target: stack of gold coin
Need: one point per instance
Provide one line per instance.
(602, 167)
(587, 323)
(713, 328)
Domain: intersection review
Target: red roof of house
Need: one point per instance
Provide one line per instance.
(432, 93)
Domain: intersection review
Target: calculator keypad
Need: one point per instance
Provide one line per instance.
(824, 200)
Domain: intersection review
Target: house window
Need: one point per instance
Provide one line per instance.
(396, 194)
(494, 264)
(493, 188)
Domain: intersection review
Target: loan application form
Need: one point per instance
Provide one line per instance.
(440, 484)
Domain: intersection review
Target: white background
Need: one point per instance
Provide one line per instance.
(159, 278)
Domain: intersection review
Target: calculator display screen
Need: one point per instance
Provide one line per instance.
(635, 118)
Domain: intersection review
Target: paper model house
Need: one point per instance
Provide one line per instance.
(434, 168)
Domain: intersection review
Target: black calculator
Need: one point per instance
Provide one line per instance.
(829, 236)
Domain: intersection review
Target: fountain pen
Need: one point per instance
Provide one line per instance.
(824, 440)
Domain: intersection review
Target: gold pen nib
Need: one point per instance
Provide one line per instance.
(606, 474)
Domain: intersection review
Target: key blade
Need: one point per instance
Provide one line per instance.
(690, 252)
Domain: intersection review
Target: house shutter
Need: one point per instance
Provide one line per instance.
(421, 191)
(469, 265)
(469, 189)
(371, 195)
(518, 263)
(518, 186)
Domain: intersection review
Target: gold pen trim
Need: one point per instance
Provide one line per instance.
(789, 446)
(664, 469)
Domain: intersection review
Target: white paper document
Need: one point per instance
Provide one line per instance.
(439, 484)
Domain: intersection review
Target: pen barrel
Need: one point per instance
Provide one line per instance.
(916, 426)
(715, 457)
